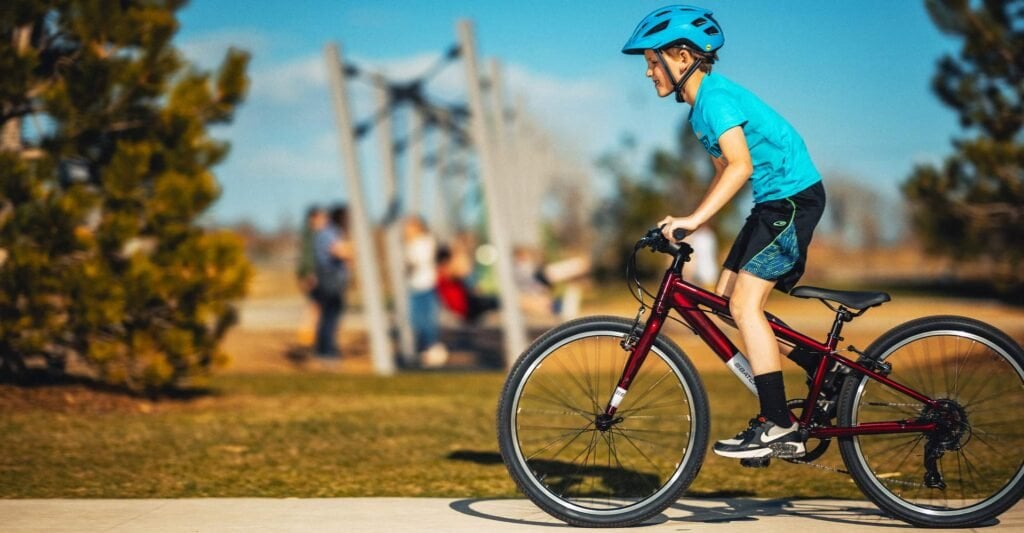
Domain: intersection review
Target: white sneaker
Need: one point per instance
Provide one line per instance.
(764, 439)
(435, 356)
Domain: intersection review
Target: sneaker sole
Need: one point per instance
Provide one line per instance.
(782, 450)
(756, 453)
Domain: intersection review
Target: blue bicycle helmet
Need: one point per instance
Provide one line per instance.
(670, 26)
(687, 26)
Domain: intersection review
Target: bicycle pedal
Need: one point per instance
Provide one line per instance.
(787, 450)
(756, 462)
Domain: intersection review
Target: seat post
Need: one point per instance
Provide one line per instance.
(842, 315)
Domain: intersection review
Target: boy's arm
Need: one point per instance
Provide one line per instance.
(733, 176)
(342, 249)
(737, 171)
(719, 164)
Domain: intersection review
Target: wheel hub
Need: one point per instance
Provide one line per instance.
(604, 421)
(952, 430)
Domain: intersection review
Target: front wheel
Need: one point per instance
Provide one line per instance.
(971, 468)
(578, 473)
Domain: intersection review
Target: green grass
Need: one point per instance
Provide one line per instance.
(314, 435)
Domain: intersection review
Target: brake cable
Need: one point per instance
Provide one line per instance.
(631, 272)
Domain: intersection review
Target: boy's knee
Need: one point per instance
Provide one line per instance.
(744, 308)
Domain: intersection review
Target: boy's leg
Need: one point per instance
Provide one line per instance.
(726, 282)
(777, 433)
(726, 285)
(747, 308)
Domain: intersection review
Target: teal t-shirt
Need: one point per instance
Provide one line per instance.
(782, 166)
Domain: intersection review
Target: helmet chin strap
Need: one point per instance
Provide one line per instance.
(677, 86)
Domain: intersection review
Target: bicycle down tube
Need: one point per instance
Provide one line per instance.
(674, 293)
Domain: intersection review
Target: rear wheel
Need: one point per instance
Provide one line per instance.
(971, 468)
(559, 457)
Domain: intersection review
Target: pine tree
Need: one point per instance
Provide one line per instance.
(972, 207)
(101, 256)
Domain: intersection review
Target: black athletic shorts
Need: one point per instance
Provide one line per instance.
(773, 242)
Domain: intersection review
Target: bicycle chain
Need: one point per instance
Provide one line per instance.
(827, 468)
(836, 470)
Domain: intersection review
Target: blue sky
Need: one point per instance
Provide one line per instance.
(852, 77)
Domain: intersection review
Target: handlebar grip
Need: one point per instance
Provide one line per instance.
(679, 234)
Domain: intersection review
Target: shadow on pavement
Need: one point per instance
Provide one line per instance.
(726, 510)
(562, 477)
(722, 510)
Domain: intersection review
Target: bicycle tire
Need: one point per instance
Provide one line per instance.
(544, 479)
(981, 479)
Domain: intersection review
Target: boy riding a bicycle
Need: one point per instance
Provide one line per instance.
(747, 141)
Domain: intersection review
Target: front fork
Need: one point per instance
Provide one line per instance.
(639, 341)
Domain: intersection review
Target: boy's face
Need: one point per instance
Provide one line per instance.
(318, 221)
(662, 84)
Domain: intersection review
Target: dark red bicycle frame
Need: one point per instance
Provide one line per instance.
(685, 298)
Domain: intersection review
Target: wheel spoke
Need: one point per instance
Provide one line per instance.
(979, 392)
(558, 444)
(558, 438)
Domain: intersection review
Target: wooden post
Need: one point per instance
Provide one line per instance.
(508, 183)
(415, 167)
(538, 182)
(381, 351)
(511, 315)
(443, 221)
(393, 231)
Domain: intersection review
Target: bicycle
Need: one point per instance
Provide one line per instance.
(604, 423)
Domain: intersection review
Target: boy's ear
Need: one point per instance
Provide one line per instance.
(686, 57)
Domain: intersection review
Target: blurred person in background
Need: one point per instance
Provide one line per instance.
(703, 268)
(453, 290)
(305, 272)
(332, 252)
(536, 283)
(420, 257)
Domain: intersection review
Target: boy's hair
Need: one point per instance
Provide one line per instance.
(339, 216)
(313, 211)
(707, 59)
(443, 255)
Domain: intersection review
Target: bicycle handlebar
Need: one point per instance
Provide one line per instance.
(657, 241)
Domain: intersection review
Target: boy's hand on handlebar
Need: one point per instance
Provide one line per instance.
(669, 224)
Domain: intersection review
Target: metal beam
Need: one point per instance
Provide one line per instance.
(381, 351)
(393, 230)
(511, 315)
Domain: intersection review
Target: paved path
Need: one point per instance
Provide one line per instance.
(358, 515)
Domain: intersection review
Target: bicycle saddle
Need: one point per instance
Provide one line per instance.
(852, 299)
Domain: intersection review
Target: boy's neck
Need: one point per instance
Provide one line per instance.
(692, 86)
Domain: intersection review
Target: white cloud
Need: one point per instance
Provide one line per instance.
(284, 136)
(292, 82)
(316, 161)
(207, 50)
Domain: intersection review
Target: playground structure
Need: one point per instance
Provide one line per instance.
(515, 165)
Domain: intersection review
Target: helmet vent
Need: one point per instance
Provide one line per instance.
(661, 26)
(712, 30)
(698, 22)
(663, 13)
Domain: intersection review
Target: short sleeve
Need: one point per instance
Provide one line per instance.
(721, 113)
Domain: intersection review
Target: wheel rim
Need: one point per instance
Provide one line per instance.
(559, 446)
(982, 389)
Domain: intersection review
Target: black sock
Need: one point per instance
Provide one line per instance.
(771, 392)
(806, 360)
